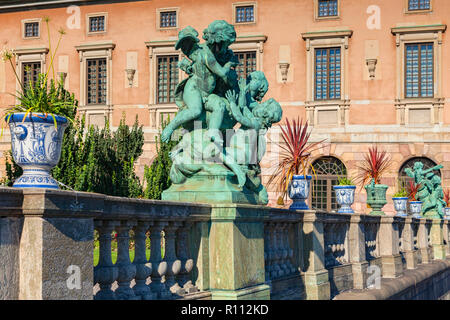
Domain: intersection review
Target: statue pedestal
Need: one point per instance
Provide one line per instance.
(210, 188)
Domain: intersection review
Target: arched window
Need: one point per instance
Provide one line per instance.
(427, 163)
(328, 170)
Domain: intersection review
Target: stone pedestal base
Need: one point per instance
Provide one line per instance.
(317, 285)
(411, 259)
(360, 275)
(392, 266)
(259, 292)
(212, 188)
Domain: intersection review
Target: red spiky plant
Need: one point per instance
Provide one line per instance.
(295, 154)
(413, 188)
(447, 197)
(374, 166)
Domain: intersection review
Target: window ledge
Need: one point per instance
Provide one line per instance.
(327, 34)
(31, 50)
(97, 45)
(419, 29)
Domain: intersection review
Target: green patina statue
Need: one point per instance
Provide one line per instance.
(214, 162)
(430, 190)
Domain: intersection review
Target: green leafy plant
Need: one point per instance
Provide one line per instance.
(402, 193)
(295, 154)
(345, 181)
(157, 176)
(43, 96)
(375, 164)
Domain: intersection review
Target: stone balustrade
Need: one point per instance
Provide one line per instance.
(199, 251)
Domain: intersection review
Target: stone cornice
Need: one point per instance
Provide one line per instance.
(20, 5)
(31, 50)
(98, 45)
(419, 29)
(327, 34)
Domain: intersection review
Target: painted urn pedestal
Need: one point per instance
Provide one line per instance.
(415, 207)
(345, 196)
(376, 198)
(36, 147)
(299, 191)
(401, 206)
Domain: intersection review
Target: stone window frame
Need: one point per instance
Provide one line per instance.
(167, 47)
(235, 5)
(160, 48)
(95, 50)
(27, 55)
(158, 18)
(327, 39)
(96, 14)
(407, 11)
(25, 21)
(246, 43)
(404, 106)
(316, 12)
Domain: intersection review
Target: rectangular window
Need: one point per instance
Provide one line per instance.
(328, 73)
(328, 8)
(247, 63)
(31, 30)
(245, 14)
(30, 73)
(96, 81)
(167, 79)
(419, 70)
(168, 19)
(418, 5)
(97, 24)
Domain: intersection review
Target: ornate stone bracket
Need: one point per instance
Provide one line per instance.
(130, 76)
(371, 64)
(284, 67)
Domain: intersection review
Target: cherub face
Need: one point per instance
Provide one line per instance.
(418, 165)
(257, 89)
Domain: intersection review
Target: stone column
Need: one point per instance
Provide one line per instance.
(391, 259)
(422, 241)
(437, 239)
(317, 284)
(236, 251)
(357, 252)
(56, 246)
(408, 244)
(446, 231)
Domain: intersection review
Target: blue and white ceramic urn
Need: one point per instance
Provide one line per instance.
(36, 148)
(400, 205)
(299, 192)
(345, 196)
(447, 213)
(415, 207)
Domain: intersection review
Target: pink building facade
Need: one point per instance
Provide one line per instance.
(362, 72)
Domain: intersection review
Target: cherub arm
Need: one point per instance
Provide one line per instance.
(217, 69)
(433, 169)
(249, 122)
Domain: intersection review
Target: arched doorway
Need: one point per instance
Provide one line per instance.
(328, 170)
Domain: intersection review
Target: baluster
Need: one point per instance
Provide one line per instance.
(290, 252)
(159, 267)
(276, 270)
(187, 264)
(267, 251)
(127, 270)
(143, 267)
(105, 273)
(284, 248)
(173, 264)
